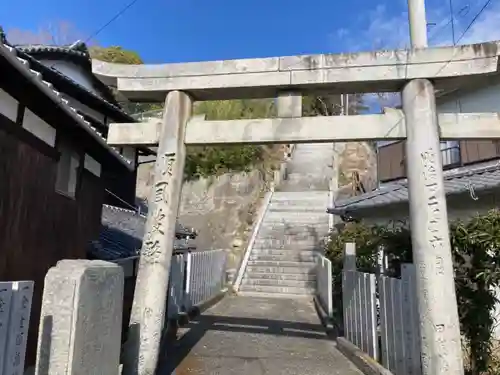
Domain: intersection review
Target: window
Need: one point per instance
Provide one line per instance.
(67, 169)
(450, 152)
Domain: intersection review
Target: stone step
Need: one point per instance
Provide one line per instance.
(300, 201)
(281, 283)
(299, 232)
(283, 251)
(309, 210)
(306, 276)
(288, 244)
(277, 289)
(275, 269)
(310, 194)
(297, 215)
(286, 234)
(297, 222)
(266, 263)
(294, 213)
(287, 222)
(288, 257)
(305, 184)
(318, 247)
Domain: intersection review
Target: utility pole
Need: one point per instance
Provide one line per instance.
(439, 326)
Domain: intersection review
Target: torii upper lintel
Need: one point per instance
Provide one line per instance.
(378, 71)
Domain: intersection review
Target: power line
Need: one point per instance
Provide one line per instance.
(123, 10)
(461, 13)
(488, 2)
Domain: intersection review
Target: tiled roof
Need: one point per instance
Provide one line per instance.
(17, 59)
(83, 55)
(121, 234)
(455, 182)
(77, 49)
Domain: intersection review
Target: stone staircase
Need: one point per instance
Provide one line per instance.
(282, 259)
(310, 168)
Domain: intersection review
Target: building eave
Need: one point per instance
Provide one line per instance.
(17, 61)
(74, 89)
(461, 180)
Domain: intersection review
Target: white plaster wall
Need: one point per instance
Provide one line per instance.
(39, 128)
(92, 165)
(8, 106)
(486, 99)
(461, 207)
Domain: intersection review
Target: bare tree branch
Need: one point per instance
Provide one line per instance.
(56, 33)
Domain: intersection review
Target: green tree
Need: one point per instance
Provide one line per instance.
(331, 105)
(115, 54)
(203, 161)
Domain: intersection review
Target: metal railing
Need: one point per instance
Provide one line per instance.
(205, 276)
(324, 291)
(195, 277)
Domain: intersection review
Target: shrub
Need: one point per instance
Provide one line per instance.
(205, 161)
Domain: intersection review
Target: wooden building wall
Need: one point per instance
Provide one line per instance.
(391, 158)
(39, 226)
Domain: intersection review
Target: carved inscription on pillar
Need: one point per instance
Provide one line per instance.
(154, 236)
(437, 244)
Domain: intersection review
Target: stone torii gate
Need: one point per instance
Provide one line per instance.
(287, 78)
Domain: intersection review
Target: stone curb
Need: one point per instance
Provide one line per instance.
(363, 361)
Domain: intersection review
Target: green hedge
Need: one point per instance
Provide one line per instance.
(205, 161)
(476, 261)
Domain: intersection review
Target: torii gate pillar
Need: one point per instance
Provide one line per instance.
(149, 310)
(437, 303)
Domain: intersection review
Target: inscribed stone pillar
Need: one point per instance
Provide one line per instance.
(81, 319)
(441, 346)
(148, 312)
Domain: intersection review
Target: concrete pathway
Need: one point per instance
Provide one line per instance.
(255, 336)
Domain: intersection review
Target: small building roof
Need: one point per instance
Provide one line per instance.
(122, 232)
(461, 180)
(77, 53)
(18, 63)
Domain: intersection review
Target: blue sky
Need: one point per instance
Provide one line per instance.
(197, 30)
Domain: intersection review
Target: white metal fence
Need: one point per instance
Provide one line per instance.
(206, 275)
(194, 278)
(324, 292)
(15, 310)
(360, 310)
(399, 325)
(390, 333)
(175, 299)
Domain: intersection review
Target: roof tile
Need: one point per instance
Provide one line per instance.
(455, 182)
